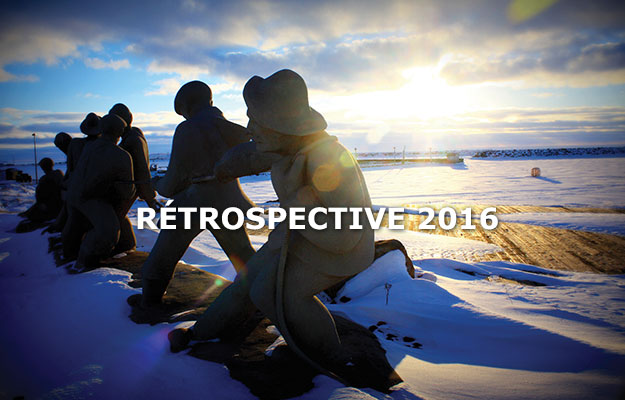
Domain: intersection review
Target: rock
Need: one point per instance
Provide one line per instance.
(284, 374)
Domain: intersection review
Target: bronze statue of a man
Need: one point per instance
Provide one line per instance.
(73, 227)
(101, 182)
(199, 142)
(48, 200)
(133, 141)
(313, 170)
(62, 140)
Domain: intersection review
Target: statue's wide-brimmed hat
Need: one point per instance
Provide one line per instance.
(122, 111)
(91, 125)
(280, 103)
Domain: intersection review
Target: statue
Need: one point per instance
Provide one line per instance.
(133, 141)
(283, 277)
(47, 194)
(199, 142)
(90, 126)
(62, 141)
(101, 182)
(72, 226)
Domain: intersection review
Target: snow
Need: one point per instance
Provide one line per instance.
(613, 224)
(564, 182)
(578, 182)
(486, 329)
(570, 182)
(16, 197)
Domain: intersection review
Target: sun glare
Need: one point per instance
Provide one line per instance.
(424, 96)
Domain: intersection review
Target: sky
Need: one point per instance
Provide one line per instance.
(419, 75)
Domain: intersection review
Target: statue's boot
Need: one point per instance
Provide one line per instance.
(179, 339)
(127, 239)
(149, 306)
(153, 292)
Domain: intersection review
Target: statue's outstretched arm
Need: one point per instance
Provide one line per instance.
(243, 160)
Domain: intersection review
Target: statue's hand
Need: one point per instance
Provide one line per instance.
(154, 204)
(222, 173)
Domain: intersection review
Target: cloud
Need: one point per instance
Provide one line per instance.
(344, 46)
(9, 77)
(51, 127)
(25, 42)
(90, 95)
(165, 87)
(599, 57)
(560, 127)
(98, 63)
(505, 127)
(16, 123)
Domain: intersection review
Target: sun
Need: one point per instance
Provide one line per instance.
(424, 96)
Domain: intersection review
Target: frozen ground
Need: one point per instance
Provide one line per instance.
(482, 336)
(613, 224)
(486, 330)
(571, 182)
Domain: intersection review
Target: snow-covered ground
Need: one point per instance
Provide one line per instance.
(613, 224)
(491, 330)
(16, 197)
(571, 182)
(69, 336)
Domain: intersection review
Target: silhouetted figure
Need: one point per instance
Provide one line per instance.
(90, 126)
(199, 142)
(62, 140)
(314, 170)
(133, 141)
(47, 194)
(101, 181)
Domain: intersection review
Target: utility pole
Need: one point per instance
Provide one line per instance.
(35, 146)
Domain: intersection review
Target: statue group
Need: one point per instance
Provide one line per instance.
(309, 168)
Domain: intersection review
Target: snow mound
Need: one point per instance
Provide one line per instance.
(387, 269)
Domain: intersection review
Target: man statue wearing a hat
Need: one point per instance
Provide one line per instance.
(133, 141)
(90, 126)
(199, 142)
(70, 225)
(313, 170)
(47, 194)
(100, 182)
(62, 141)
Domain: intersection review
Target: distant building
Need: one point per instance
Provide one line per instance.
(453, 157)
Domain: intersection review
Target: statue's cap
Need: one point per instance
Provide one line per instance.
(112, 125)
(122, 111)
(191, 94)
(46, 163)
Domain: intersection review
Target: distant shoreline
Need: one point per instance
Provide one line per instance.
(439, 156)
